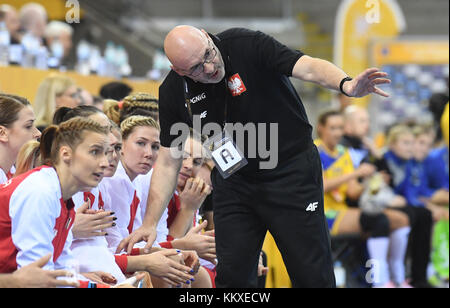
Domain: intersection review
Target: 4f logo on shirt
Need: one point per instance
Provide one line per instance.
(312, 207)
(236, 85)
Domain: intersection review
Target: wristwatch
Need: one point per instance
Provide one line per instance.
(342, 84)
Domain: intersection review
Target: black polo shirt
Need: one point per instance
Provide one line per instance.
(263, 94)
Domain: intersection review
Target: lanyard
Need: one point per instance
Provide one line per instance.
(188, 103)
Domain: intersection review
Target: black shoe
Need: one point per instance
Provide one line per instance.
(422, 285)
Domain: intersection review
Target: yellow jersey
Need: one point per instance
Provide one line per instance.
(334, 165)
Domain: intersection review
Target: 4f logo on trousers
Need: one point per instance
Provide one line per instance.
(312, 207)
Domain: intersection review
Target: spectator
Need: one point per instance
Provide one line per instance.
(397, 161)
(418, 191)
(340, 183)
(33, 20)
(115, 90)
(436, 105)
(54, 92)
(17, 126)
(11, 19)
(58, 38)
(356, 136)
(86, 97)
(436, 164)
(362, 150)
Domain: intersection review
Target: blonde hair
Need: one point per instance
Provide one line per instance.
(130, 123)
(28, 157)
(134, 104)
(397, 131)
(45, 103)
(112, 110)
(419, 130)
(69, 133)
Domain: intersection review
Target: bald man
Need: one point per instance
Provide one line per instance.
(356, 134)
(241, 76)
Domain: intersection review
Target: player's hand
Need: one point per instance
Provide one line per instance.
(194, 193)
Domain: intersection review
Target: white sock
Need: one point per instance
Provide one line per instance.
(397, 250)
(378, 248)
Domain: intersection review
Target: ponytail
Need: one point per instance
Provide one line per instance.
(28, 157)
(47, 145)
(112, 110)
(63, 114)
(59, 115)
(70, 133)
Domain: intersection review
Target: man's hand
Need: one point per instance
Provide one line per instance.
(366, 83)
(140, 234)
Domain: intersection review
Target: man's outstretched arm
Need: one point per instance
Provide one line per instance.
(328, 75)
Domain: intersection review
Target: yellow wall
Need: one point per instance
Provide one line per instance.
(25, 82)
(56, 9)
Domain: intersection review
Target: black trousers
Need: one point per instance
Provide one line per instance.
(421, 222)
(246, 207)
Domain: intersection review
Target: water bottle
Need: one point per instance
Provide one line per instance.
(5, 41)
(122, 61)
(110, 59)
(83, 54)
(41, 58)
(94, 59)
(31, 46)
(15, 54)
(339, 274)
(57, 53)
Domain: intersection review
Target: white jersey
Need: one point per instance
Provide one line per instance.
(35, 221)
(120, 196)
(5, 177)
(143, 186)
(93, 254)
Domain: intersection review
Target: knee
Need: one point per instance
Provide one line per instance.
(399, 220)
(375, 225)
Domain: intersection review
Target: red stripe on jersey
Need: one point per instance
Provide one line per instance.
(133, 209)
(90, 196)
(101, 203)
(62, 227)
(173, 209)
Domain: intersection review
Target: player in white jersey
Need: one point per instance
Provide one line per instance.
(36, 208)
(120, 193)
(89, 246)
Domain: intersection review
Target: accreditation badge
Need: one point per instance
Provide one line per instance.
(227, 157)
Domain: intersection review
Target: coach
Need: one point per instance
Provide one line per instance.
(241, 76)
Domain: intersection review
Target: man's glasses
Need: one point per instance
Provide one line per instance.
(210, 55)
